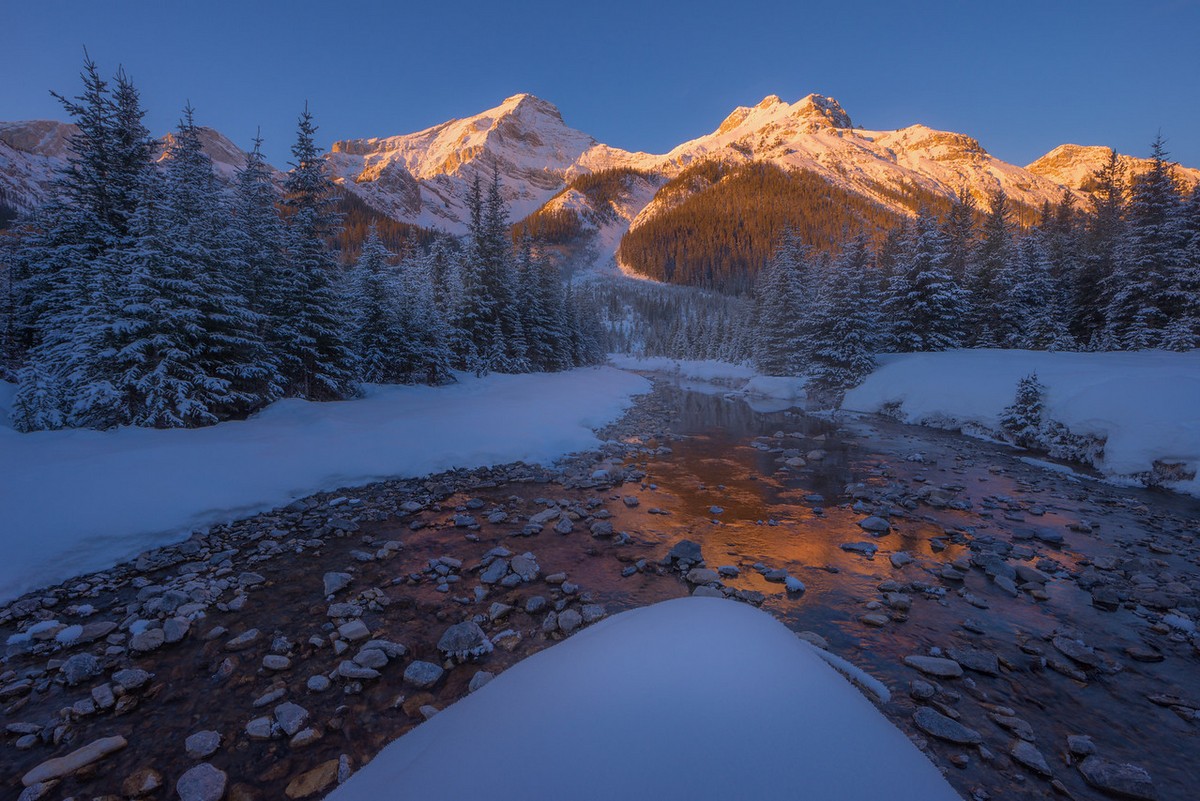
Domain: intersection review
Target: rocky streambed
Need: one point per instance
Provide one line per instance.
(1035, 629)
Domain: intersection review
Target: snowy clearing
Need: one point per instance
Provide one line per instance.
(736, 376)
(76, 501)
(690, 698)
(1146, 404)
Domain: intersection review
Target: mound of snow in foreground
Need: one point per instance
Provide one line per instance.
(1146, 404)
(695, 698)
(76, 501)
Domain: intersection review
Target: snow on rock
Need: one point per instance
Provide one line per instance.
(716, 699)
(1143, 403)
(74, 501)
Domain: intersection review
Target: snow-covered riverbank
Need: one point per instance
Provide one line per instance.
(1144, 405)
(75, 501)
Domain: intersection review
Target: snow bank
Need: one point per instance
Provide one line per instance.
(688, 699)
(1146, 404)
(737, 376)
(76, 501)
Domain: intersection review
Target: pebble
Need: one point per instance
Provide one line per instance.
(1027, 754)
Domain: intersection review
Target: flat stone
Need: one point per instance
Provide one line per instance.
(874, 619)
(525, 566)
(984, 662)
(875, 525)
(276, 662)
(318, 683)
(260, 729)
(335, 582)
(132, 678)
(243, 640)
(938, 725)
(148, 640)
(702, 575)
(313, 781)
(685, 551)
(864, 548)
(201, 783)
(354, 630)
(79, 758)
(423, 674)
(480, 679)
(934, 666)
(371, 658)
(1127, 781)
(141, 782)
(1077, 651)
(202, 744)
(1027, 754)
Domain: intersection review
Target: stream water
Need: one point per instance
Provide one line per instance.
(716, 473)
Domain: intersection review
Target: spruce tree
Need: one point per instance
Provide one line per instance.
(1141, 303)
(1104, 231)
(927, 308)
(844, 323)
(779, 310)
(314, 361)
(1022, 421)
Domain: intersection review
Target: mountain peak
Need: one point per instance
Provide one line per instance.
(822, 110)
(523, 103)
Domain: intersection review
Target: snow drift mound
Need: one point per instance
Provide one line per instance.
(693, 698)
(1144, 405)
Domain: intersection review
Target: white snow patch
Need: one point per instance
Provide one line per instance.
(1144, 403)
(77, 501)
(691, 698)
(738, 376)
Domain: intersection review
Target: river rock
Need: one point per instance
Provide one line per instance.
(202, 744)
(525, 566)
(1077, 651)
(938, 725)
(934, 666)
(875, 525)
(79, 758)
(201, 783)
(864, 548)
(702, 575)
(335, 582)
(569, 620)
(148, 640)
(132, 678)
(79, 668)
(494, 571)
(141, 783)
(313, 781)
(685, 552)
(291, 717)
(423, 674)
(1027, 754)
(464, 641)
(1127, 781)
(243, 640)
(984, 662)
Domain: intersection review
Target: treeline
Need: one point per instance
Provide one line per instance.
(722, 222)
(603, 189)
(1122, 275)
(153, 296)
(648, 319)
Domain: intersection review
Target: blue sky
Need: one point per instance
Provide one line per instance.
(1022, 77)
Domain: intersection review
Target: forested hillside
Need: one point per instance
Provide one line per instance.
(717, 224)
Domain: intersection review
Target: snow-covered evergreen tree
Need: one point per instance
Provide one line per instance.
(843, 323)
(987, 273)
(779, 310)
(1022, 421)
(926, 307)
(1141, 303)
(314, 361)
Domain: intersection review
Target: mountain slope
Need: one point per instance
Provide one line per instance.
(1074, 165)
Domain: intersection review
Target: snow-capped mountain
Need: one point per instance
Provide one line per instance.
(1074, 165)
(32, 151)
(424, 177)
